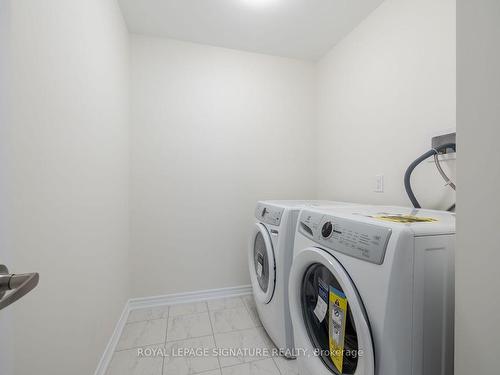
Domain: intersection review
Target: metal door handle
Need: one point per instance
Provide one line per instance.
(19, 284)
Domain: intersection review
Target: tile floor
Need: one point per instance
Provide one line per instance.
(153, 340)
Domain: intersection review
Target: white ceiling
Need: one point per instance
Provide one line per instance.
(304, 29)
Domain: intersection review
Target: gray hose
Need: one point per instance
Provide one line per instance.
(413, 165)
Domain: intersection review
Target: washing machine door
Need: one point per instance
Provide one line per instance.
(328, 315)
(261, 263)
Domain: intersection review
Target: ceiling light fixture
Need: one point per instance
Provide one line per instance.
(260, 3)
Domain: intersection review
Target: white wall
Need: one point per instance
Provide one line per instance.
(383, 91)
(477, 331)
(64, 179)
(213, 131)
(6, 318)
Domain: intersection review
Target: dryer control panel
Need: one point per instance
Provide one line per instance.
(269, 214)
(360, 240)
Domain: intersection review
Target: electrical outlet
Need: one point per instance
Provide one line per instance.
(379, 183)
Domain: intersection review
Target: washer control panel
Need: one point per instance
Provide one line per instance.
(269, 214)
(360, 240)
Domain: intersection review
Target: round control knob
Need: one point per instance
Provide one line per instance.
(327, 229)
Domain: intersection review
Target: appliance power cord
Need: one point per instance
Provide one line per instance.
(447, 180)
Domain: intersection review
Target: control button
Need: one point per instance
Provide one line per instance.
(327, 229)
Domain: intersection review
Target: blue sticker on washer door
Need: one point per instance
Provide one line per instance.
(322, 303)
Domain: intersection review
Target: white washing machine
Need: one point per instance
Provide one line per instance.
(372, 291)
(270, 258)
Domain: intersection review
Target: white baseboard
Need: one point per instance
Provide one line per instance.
(202, 295)
(113, 341)
(164, 300)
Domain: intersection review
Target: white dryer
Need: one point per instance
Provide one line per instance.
(372, 291)
(270, 256)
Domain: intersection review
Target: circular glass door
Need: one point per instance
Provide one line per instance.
(329, 320)
(261, 262)
(336, 324)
